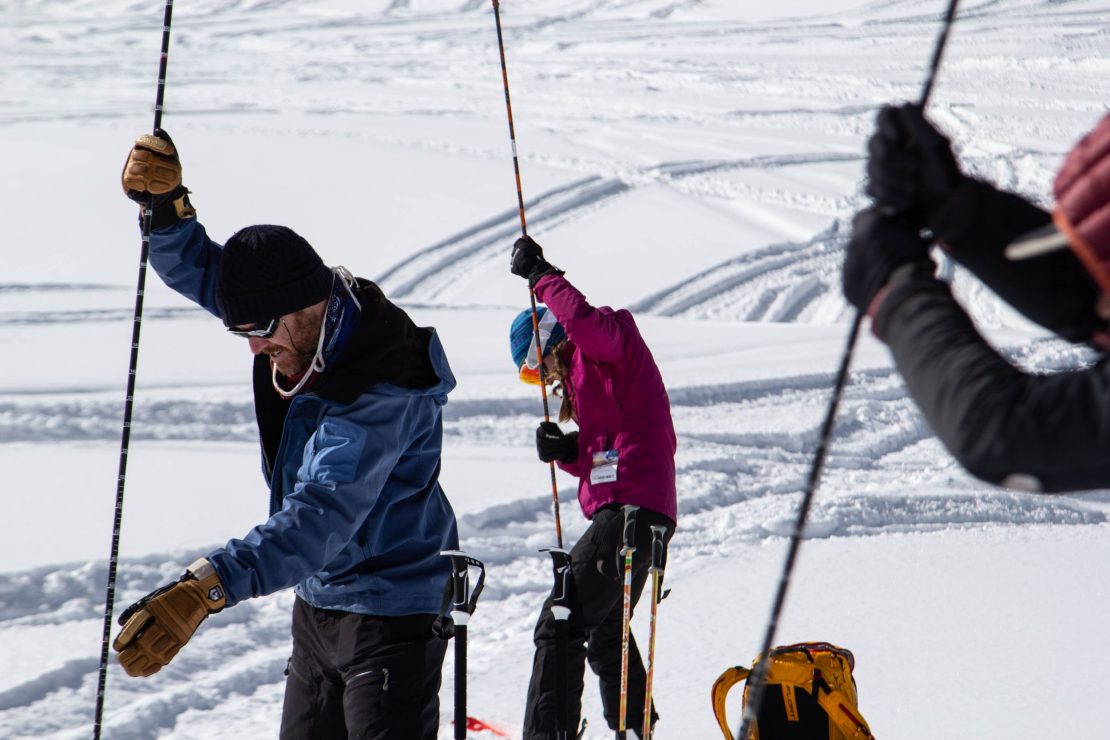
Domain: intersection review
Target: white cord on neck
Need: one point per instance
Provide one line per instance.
(317, 366)
(348, 282)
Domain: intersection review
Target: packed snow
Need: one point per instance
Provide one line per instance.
(698, 161)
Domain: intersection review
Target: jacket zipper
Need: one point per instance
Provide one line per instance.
(612, 383)
(277, 501)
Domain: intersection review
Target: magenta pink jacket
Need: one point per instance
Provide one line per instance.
(620, 402)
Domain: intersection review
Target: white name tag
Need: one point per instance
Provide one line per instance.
(604, 468)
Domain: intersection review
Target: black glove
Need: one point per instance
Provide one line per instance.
(527, 261)
(879, 246)
(152, 173)
(552, 444)
(911, 170)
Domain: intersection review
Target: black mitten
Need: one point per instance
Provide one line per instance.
(911, 170)
(527, 261)
(553, 444)
(879, 245)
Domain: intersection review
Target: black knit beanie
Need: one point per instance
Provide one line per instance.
(266, 272)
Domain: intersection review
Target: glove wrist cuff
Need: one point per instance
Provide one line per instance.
(205, 574)
(542, 269)
(903, 283)
(951, 215)
(571, 454)
(167, 210)
(201, 568)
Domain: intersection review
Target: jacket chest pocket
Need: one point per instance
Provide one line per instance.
(596, 397)
(610, 380)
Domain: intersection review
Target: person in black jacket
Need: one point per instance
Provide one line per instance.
(1039, 432)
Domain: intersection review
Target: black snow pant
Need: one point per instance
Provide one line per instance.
(594, 628)
(359, 676)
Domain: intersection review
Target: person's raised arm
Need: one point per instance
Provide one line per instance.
(599, 334)
(1046, 432)
(1006, 426)
(180, 250)
(912, 173)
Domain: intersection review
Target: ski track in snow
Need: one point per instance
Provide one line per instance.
(430, 275)
(745, 448)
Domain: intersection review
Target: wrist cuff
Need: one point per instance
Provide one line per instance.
(205, 574)
(167, 210)
(958, 212)
(903, 282)
(542, 269)
(570, 454)
(201, 568)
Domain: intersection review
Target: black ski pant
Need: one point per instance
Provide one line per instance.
(358, 676)
(594, 628)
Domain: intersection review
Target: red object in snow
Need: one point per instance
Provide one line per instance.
(477, 725)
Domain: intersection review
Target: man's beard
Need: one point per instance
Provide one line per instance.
(303, 336)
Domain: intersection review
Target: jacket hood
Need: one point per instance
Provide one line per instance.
(386, 348)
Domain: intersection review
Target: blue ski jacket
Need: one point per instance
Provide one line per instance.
(357, 515)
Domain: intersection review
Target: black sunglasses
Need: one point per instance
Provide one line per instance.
(258, 331)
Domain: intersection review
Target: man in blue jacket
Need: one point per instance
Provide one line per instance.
(348, 396)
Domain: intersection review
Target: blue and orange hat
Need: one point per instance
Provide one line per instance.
(522, 341)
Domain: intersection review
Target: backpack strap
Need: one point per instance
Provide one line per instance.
(842, 714)
(719, 693)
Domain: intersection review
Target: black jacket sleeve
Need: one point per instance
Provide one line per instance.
(975, 225)
(995, 419)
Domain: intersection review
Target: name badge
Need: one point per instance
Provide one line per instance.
(604, 468)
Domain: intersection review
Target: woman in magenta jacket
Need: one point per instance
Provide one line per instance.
(622, 453)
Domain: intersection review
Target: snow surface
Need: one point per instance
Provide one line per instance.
(695, 160)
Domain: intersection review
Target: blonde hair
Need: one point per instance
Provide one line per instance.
(562, 389)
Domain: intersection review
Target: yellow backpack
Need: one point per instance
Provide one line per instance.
(810, 695)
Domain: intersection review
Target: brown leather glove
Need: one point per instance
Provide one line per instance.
(152, 173)
(152, 167)
(159, 624)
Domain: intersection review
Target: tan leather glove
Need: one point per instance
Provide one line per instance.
(152, 167)
(152, 174)
(159, 624)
